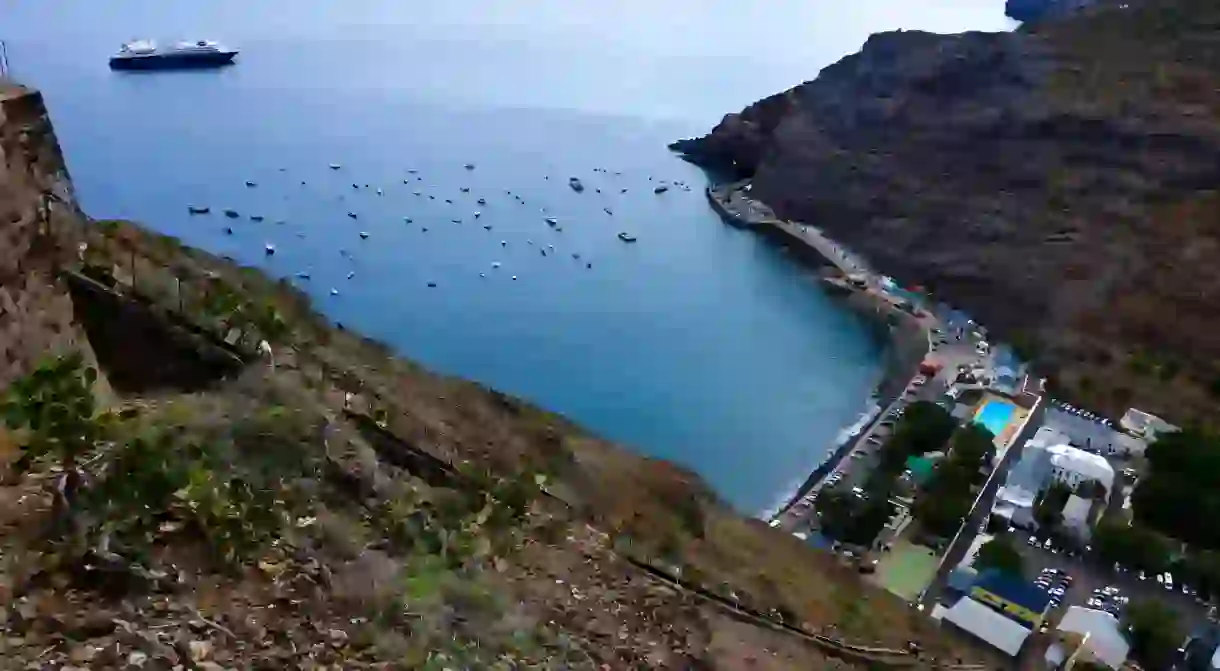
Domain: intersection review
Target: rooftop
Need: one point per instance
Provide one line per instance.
(1105, 638)
(1000, 632)
(1013, 589)
(1145, 423)
(1087, 464)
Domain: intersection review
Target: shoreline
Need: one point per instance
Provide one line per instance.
(908, 339)
(902, 359)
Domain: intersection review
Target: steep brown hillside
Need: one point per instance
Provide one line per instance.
(1060, 184)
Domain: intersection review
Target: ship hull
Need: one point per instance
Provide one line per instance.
(173, 61)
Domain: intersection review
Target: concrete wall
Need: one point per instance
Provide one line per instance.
(36, 316)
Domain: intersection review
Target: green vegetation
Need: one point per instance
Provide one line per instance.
(1001, 554)
(1178, 496)
(399, 526)
(1048, 511)
(1173, 505)
(127, 484)
(924, 427)
(851, 519)
(1154, 633)
(943, 503)
(1135, 547)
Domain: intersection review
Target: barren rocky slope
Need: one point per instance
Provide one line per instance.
(1058, 183)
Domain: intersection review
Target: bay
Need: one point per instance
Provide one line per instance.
(699, 343)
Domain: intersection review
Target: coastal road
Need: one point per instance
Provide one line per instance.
(853, 455)
(858, 457)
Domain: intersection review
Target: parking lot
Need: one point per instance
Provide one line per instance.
(1087, 578)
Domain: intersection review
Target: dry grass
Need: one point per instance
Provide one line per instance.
(650, 509)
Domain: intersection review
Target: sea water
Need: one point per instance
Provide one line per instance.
(698, 343)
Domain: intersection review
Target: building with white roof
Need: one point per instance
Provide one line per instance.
(1026, 479)
(1001, 632)
(1073, 466)
(1145, 425)
(1097, 631)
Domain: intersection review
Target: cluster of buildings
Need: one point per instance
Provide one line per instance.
(1047, 458)
(1005, 611)
(1077, 451)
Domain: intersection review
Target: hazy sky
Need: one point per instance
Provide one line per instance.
(676, 59)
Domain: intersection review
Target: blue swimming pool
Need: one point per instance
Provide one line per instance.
(995, 416)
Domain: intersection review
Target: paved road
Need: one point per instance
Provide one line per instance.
(859, 462)
(978, 514)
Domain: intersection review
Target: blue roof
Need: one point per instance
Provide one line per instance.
(962, 579)
(1014, 589)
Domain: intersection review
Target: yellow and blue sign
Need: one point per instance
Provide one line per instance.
(1012, 596)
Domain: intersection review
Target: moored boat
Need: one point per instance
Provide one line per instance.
(146, 55)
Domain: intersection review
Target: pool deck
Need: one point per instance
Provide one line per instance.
(1016, 419)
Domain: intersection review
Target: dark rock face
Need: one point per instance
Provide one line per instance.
(1056, 183)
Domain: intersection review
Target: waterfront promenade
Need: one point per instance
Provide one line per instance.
(910, 330)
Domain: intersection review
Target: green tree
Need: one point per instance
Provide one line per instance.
(1133, 546)
(1181, 468)
(1048, 511)
(925, 427)
(1153, 630)
(1201, 569)
(1000, 554)
(940, 516)
(942, 505)
(850, 519)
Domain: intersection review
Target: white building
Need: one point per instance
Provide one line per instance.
(1026, 479)
(1100, 634)
(1003, 633)
(1073, 466)
(1145, 425)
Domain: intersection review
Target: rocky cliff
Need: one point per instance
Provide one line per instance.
(1059, 183)
(36, 315)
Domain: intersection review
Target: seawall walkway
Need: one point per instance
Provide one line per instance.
(865, 291)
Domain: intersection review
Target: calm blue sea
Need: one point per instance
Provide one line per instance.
(698, 343)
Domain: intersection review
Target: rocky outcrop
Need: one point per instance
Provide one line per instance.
(36, 312)
(1058, 183)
